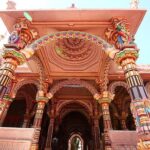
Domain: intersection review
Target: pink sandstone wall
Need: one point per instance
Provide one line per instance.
(123, 140)
(16, 138)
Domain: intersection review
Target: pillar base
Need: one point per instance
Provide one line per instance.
(107, 141)
(34, 147)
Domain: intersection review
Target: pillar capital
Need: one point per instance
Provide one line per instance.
(7, 98)
(106, 97)
(126, 56)
(42, 99)
(14, 57)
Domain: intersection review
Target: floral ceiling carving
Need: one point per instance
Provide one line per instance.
(73, 54)
(73, 49)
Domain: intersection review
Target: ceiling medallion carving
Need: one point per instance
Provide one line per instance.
(73, 54)
(73, 49)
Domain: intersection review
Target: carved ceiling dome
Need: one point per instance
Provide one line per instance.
(73, 54)
(73, 49)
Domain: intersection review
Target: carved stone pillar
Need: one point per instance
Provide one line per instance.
(13, 53)
(6, 102)
(104, 101)
(12, 60)
(126, 56)
(4, 106)
(41, 102)
(140, 104)
(96, 133)
(50, 134)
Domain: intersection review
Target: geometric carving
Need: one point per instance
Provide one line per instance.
(73, 49)
(69, 34)
(73, 58)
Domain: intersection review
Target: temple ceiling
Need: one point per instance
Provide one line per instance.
(71, 55)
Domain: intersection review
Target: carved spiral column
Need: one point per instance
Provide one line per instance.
(126, 56)
(104, 101)
(41, 102)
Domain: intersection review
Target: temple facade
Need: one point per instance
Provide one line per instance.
(69, 81)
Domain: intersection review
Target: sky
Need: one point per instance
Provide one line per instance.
(141, 38)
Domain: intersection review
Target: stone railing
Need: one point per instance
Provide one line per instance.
(16, 138)
(123, 140)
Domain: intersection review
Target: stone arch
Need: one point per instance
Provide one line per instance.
(23, 82)
(147, 86)
(36, 45)
(81, 83)
(113, 86)
(82, 103)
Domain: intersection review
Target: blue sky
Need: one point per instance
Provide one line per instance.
(142, 36)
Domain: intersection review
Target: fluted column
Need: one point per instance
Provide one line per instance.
(12, 60)
(4, 106)
(104, 101)
(41, 102)
(140, 104)
(126, 55)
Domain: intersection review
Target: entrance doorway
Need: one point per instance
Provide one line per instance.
(74, 133)
(75, 142)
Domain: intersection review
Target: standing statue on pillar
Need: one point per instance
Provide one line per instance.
(21, 36)
(119, 35)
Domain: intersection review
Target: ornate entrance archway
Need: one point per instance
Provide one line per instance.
(36, 45)
(118, 35)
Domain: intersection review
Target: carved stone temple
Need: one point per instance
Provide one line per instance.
(69, 81)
